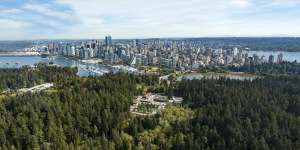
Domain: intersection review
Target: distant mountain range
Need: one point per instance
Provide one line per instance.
(253, 43)
(15, 45)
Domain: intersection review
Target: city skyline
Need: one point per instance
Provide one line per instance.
(93, 19)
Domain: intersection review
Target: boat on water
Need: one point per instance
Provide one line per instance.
(45, 54)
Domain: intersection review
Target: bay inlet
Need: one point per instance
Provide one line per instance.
(84, 68)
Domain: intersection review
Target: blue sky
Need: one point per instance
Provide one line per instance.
(72, 19)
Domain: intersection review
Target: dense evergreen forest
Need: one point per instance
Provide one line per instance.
(27, 77)
(263, 114)
(93, 112)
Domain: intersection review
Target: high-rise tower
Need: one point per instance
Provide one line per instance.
(108, 41)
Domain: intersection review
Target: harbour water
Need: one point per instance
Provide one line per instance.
(287, 56)
(84, 69)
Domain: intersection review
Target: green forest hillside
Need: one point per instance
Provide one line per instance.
(93, 112)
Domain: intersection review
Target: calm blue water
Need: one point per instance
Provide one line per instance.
(18, 61)
(83, 68)
(287, 56)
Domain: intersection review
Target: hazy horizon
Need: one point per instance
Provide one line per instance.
(146, 38)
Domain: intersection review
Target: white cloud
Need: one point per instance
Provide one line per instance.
(12, 29)
(46, 9)
(285, 2)
(242, 3)
(10, 11)
(9, 24)
(136, 18)
(147, 18)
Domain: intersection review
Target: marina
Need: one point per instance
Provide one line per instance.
(85, 68)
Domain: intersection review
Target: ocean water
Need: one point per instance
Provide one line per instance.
(287, 56)
(18, 61)
(84, 69)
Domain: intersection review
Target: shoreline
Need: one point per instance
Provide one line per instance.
(12, 54)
